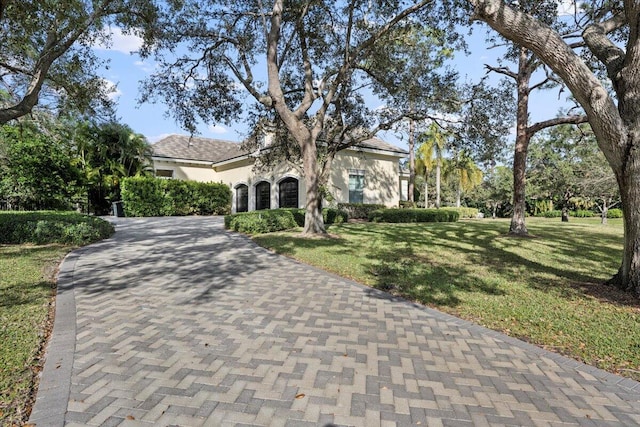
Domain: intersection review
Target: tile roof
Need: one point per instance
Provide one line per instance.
(378, 144)
(196, 148)
(218, 150)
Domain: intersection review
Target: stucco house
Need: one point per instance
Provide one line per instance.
(366, 173)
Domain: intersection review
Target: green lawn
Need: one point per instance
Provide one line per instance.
(26, 293)
(547, 290)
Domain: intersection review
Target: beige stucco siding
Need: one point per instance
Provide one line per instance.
(381, 177)
(187, 171)
(242, 173)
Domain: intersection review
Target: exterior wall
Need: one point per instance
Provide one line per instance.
(238, 173)
(381, 177)
(184, 171)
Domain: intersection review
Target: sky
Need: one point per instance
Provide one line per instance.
(126, 71)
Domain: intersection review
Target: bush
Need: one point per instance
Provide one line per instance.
(414, 215)
(52, 227)
(464, 212)
(267, 221)
(359, 210)
(263, 221)
(614, 213)
(581, 213)
(552, 214)
(169, 197)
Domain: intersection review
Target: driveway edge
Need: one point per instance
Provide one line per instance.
(55, 380)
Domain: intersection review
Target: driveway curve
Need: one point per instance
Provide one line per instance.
(176, 322)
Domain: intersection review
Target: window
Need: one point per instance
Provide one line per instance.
(356, 186)
(242, 198)
(263, 195)
(164, 173)
(289, 193)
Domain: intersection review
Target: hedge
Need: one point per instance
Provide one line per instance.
(414, 215)
(464, 212)
(52, 227)
(262, 221)
(268, 221)
(329, 215)
(359, 210)
(581, 213)
(551, 214)
(172, 197)
(614, 213)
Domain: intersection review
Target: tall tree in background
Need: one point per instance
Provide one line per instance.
(408, 78)
(45, 51)
(611, 34)
(316, 55)
(110, 152)
(465, 173)
(527, 64)
(433, 143)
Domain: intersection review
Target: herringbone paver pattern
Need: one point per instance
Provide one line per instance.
(182, 324)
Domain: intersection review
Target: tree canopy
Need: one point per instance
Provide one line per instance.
(46, 55)
(303, 64)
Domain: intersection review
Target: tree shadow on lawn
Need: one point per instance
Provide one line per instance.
(406, 259)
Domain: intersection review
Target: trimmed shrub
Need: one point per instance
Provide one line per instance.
(266, 222)
(614, 213)
(359, 210)
(464, 212)
(52, 227)
(552, 214)
(263, 221)
(172, 197)
(581, 213)
(414, 215)
(333, 216)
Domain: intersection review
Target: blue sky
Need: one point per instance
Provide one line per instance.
(126, 70)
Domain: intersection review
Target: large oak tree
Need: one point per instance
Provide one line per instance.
(611, 35)
(46, 51)
(303, 63)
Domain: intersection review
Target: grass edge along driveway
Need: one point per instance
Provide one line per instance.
(547, 289)
(27, 290)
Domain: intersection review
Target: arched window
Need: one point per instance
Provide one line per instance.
(242, 198)
(263, 195)
(289, 193)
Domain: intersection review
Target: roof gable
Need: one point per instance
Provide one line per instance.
(211, 150)
(196, 148)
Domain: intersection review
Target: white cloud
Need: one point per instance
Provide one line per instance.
(125, 43)
(112, 89)
(147, 67)
(217, 129)
(567, 7)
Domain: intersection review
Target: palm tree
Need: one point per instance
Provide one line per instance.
(430, 152)
(467, 174)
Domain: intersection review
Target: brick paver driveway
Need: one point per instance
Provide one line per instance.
(176, 322)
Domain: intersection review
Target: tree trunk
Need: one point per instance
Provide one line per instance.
(313, 221)
(605, 211)
(426, 192)
(438, 171)
(412, 162)
(628, 276)
(518, 226)
(459, 195)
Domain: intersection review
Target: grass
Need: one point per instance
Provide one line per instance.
(547, 289)
(26, 294)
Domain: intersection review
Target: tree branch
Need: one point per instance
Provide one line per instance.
(502, 70)
(595, 37)
(566, 120)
